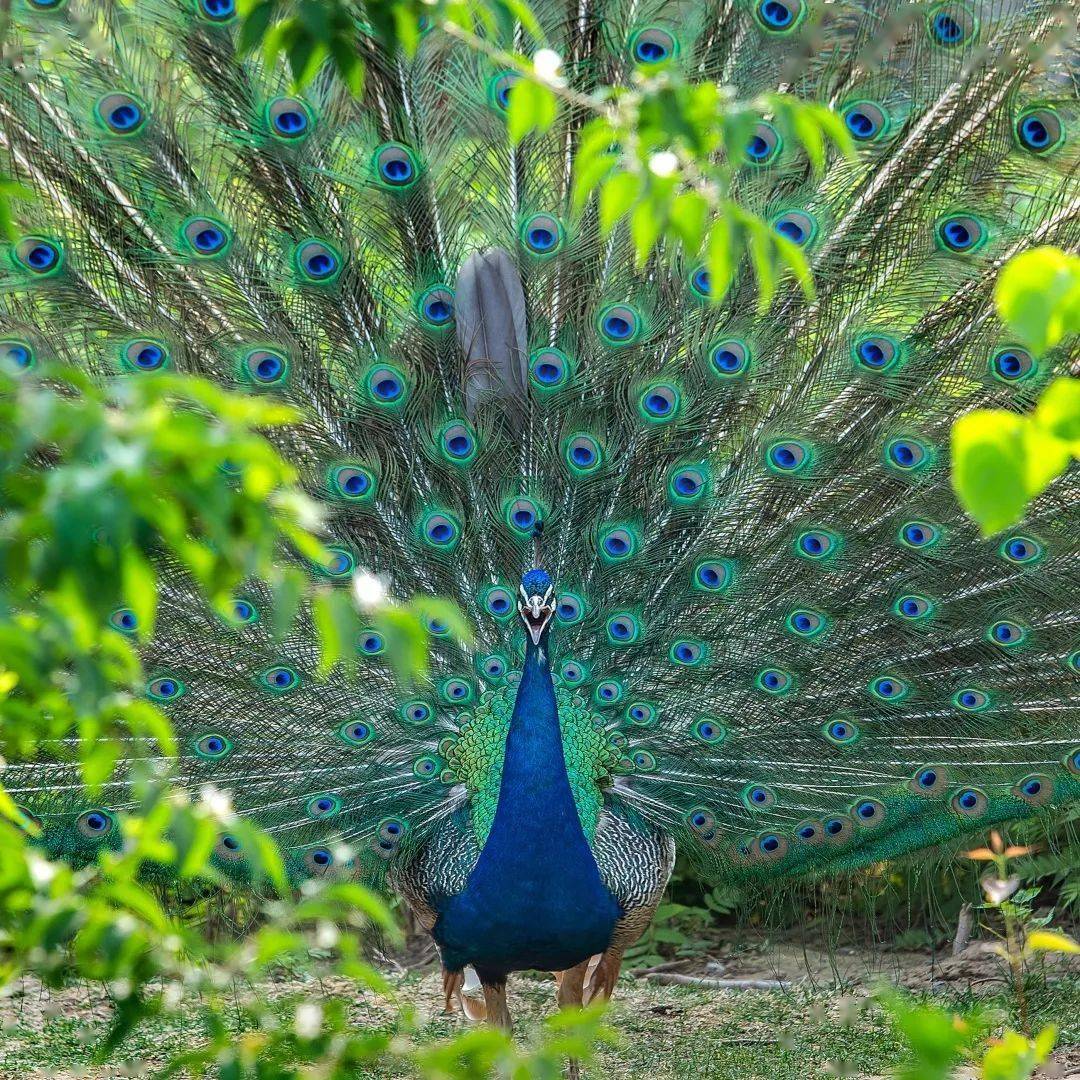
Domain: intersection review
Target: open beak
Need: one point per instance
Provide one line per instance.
(536, 612)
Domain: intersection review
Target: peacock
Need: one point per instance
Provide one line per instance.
(725, 602)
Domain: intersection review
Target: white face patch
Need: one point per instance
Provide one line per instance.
(536, 611)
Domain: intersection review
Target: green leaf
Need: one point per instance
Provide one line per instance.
(618, 193)
(689, 216)
(1058, 412)
(532, 108)
(989, 467)
(722, 253)
(139, 583)
(646, 221)
(1052, 941)
(1038, 295)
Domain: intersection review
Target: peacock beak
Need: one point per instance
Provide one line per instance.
(536, 612)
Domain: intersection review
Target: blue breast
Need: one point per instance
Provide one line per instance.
(535, 898)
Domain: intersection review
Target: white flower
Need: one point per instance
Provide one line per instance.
(369, 590)
(546, 64)
(308, 1022)
(217, 802)
(663, 163)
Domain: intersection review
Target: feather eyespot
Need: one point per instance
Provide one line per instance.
(618, 544)
(1006, 633)
(889, 688)
(659, 402)
(165, 688)
(569, 608)
(1040, 130)
(837, 830)
(930, 780)
(206, 237)
(961, 233)
(816, 544)
(121, 114)
(542, 234)
(17, 356)
(687, 485)
(806, 623)
(797, 226)
(619, 324)
(876, 352)
(788, 456)
(339, 563)
(289, 118)
(653, 46)
(758, 797)
(774, 681)
(318, 860)
(493, 666)
(583, 454)
(1012, 365)
(266, 367)
(440, 530)
(764, 145)
(219, 11)
(913, 607)
(317, 261)
(779, 16)
(712, 575)
(771, 846)
(280, 678)
(549, 369)
(700, 282)
(906, 455)
(39, 255)
(144, 354)
(371, 642)
(729, 359)
(229, 848)
(395, 166)
(641, 713)
(969, 802)
(688, 653)
(708, 730)
(841, 732)
(352, 482)
(572, 673)
(124, 620)
(456, 691)
(868, 813)
(1021, 549)
(522, 515)
(971, 700)
(437, 307)
(919, 534)
(95, 824)
(212, 747)
(810, 832)
(356, 732)
(415, 712)
(865, 120)
(608, 692)
(623, 628)
(498, 601)
(426, 767)
(951, 25)
(386, 385)
(501, 87)
(1037, 789)
(457, 442)
(1072, 762)
(323, 806)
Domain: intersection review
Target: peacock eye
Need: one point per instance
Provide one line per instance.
(165, 688)
(441, 530)
(1040, 130)
(810, 832)
(971, 700)
(729, 358)
(280, 678)
(906, 454)
(1012, 365)
(643, 761)
(759, 797)
(458, 443)
(493, 667)
(121, 113)
(569, 608)
(773, 680)
(641, 713)
(868, 812)
(395, 165)
(498, 602)
(17, 356)
(876, 352)
(356, 732)
(318, 261)
(712, 575)
(206, 237)
(805, 623)
(617, 544)
(687, 485)
(797, 226)
(779, 16)
(323, 806)
(961, 233)
(919, 534)
(889, 688)
(951, 25)
(142, 354)
(39, 255)
(501, 87)
(764, 145)
(415, 712)
(619, 324)
(608, 692)
(572, 673)
(1036, 789)
(265, 367)
(426, 767)
(1072, 762)
(583, 454)
(95, 824)
(219, 11)
(371, 643)
(229, 848)
(700, 281)
(352, 482)
(841, 732)
(970, 802)
(212, 747)
(542, 234)
(930, 780)
(437, 306)
(318, 860)
(289, 118)
(687, 653)
(124, 620)
(913, 607)
(339, 563)
(1021, 549)
(652, 46)
(816, 544)
(1006, 633)
(708, 730)
(522, 515)
(865, 120)
(385, 385)
(659, 402)
(455, 691)
(623, 629)
(701, 820)
(549, 369)
(788, 456)
(837, 830)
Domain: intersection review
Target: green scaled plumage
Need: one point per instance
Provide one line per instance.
(774, 632)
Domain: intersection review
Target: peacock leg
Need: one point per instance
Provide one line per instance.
(498, 1013)
(471, 996)
(571, 984)
(602, 983)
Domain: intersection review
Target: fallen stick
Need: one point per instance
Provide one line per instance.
(671, 978)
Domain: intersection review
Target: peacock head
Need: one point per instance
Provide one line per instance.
(537, 603)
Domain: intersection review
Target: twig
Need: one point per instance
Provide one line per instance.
(964, 926)
(671, 978)
(666, 966)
